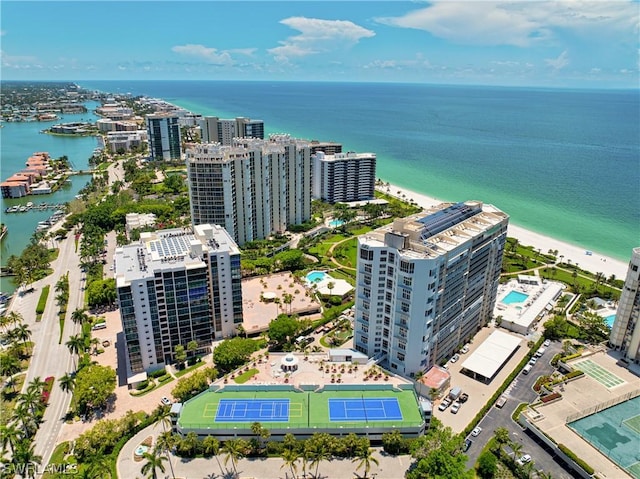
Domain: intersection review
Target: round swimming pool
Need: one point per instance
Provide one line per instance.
(316, 276)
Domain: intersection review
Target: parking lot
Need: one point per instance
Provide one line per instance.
(479, 392)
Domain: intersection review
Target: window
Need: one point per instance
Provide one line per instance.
(366, 254)
(406, 294)
(406, 281)
(400, 356)
(406, 267)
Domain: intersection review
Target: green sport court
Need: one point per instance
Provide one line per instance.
(615, 432)
(600, 374)
(232, 410)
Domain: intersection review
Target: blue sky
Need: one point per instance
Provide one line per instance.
(570, 43)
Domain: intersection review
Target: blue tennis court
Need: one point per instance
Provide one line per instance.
(250, 410)
(364, 409)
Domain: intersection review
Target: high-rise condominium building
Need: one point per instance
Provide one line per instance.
(176, 286)
(253, 188)
(217, 130)
(327, 147)
(344, 176)
(625, 334)
(427, 283)
(163, 133)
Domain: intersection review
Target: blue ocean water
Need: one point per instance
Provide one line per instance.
(565, 163)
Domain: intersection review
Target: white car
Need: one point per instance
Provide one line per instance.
(524, 459)
(465, 350)
(444, 405)
(455, 358)
(455, 407)
(165, 401)
(547, 343)
(476, 431)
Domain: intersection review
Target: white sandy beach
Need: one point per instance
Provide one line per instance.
(596, 262)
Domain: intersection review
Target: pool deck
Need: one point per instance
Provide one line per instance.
(580, 395)
(258, 314)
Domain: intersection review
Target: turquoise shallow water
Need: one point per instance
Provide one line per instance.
(563, 163)
(21, 140)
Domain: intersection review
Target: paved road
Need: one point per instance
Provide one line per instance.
(518, 392)
(50, 358)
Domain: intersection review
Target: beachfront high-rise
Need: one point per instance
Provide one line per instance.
(625, 333)
(217, 130)
(344, 177)
(163, 132)
(253, 188)
(175, 286)
(427, 283)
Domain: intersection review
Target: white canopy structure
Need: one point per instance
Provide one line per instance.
(485, 361)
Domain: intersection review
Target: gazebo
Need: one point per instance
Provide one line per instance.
(289, 363)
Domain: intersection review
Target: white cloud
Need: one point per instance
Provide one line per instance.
(558, 63)
(519, 23)
(16, 61)
(317, 36)
(419, 63)
(211, 55)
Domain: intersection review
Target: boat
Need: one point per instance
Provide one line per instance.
(22, 209)
(29, 204)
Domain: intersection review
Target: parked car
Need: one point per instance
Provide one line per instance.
(455, 407)
(165, 401)
(524, 459)
(533, 360)
(547, 343)
(444, 405)
(465, 349)
(463, 397)
(455, 358)
(476, 431)
(467, 444)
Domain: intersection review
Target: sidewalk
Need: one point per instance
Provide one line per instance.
(390, 467)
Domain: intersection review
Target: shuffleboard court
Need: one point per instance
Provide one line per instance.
(250, 410)
(364, 409)
(600, 374)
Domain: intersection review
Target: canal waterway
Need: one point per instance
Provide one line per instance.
(18, 141)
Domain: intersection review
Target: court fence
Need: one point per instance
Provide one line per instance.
(601, 406)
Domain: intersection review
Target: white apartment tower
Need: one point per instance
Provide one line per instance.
(253, 188)
(344, 177)
(625, 334)
(217, 130)
(163, 132)
(427, 283)
(175, 286)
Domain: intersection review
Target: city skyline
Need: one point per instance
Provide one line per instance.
(548, 44)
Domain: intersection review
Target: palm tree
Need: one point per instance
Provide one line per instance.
(75, 345)
(9, 436)
(234, 449)
(366, 458)
(9, 365)
(24, 454)
(80, 316)
(23, 333)
(211, 446)
(154, 461)
(67, 383)
(502, 437)
(290, 457)
(330, 286)
(14, 318)
(37, 385)
(318, 454)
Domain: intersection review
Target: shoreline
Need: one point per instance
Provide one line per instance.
(595, 263)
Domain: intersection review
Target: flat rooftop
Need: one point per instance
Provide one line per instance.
(492, 354)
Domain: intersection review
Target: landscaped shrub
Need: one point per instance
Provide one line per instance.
(574, 374)
(564, 359)
(588, 469)
(42, 301)
(550, 397)
(157, 374)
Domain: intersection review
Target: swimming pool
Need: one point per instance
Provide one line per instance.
(515, 297)
(316, 276)
(609, 320)
(336, 223)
